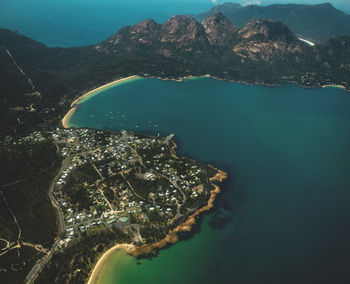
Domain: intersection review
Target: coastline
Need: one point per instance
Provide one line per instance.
(335, 86)
(181, 79)
(171, 238)
(116, 82)
(65, 119)
(97, 268)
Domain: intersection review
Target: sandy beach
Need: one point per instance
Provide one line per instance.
(65, 119)
(170, 238)
(334, 86)
(310, 43)
(133, 77)
(116, 82)
(102, 260)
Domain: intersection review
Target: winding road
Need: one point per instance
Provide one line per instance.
(41, 263)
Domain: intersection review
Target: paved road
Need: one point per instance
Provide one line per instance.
(38, 267)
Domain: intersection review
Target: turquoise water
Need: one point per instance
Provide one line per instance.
(283, 215)
(83, 22)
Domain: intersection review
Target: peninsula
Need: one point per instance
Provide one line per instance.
(115, 189)
(89, 190)
(260, 52)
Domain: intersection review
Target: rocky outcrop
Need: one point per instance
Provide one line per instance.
(317, 22)
(183, 32)
(219, 30)
(259, 40)
(267, 40)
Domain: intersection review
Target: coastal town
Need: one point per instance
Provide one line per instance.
(120, 180)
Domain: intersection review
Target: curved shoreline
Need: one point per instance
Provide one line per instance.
(113, 83)
(171, 238)
(97, 268)
(335, 86)
(65, 119)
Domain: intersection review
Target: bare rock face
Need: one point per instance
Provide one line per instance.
(219, 30)
(266, 40)
(260, 40)
(145, 32)
(183, 32)
(269, 30)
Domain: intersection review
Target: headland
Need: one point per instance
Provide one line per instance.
(171, 237)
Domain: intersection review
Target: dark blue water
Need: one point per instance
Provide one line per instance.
(284, 213)
(83, 22)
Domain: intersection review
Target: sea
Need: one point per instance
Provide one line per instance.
(283, 214)
(67, 23)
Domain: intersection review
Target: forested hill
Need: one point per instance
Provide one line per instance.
(38, 83)
(314, 22)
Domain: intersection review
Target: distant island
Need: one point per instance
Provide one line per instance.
(97, 189)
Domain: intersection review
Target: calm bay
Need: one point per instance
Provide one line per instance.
(283, 214)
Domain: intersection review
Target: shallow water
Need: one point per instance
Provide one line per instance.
(283, 215)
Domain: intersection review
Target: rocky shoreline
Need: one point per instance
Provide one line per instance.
(171, 238)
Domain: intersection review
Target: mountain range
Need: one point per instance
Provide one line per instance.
(39, 83)
(317, 23)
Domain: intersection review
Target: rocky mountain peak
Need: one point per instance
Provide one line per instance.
(183, 31)
(267, 30)
(267, 40)
(147, 25)
(145, 32)
(259, 40)
(219, 29)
